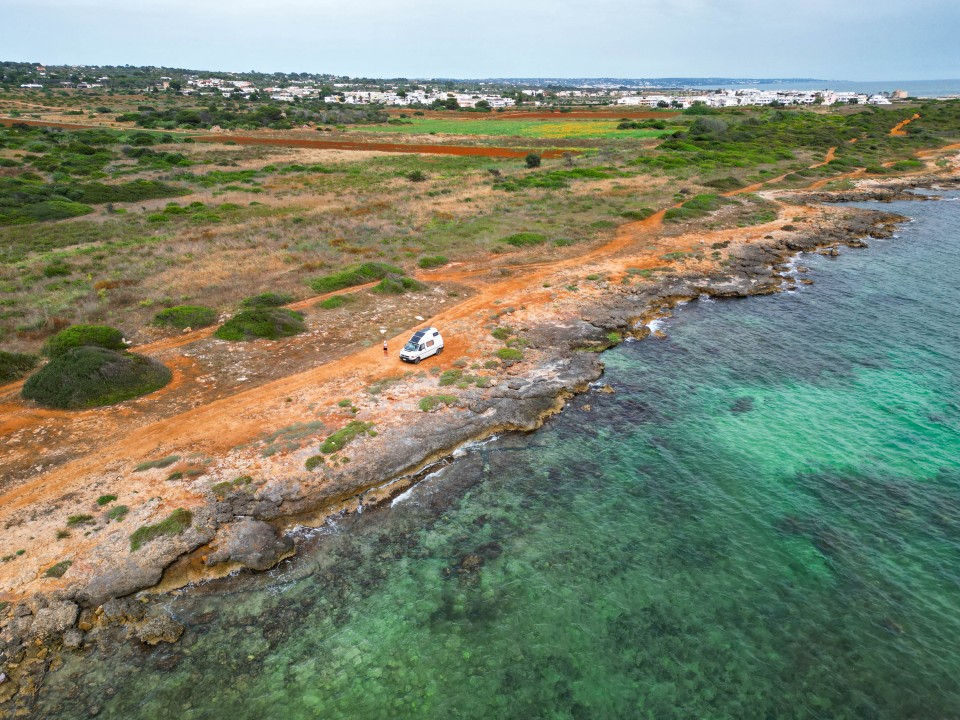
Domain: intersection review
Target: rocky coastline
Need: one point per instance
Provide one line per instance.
(248, 529)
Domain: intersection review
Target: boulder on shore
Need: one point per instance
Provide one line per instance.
(251, 543)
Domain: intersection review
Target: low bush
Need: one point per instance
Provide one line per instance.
(84, 336)
(433, 402)
(334, 302)
(696, 207)
(79, 520)
(178, 521)
(267, 300)
(57, 269)
(86, 377)
(58, 570)
(14, 366)
(221, 489)
(185, 316)
(509, 354)
(641, 214)
(525, 239)
(450, 377)
(270, 323)
(397, 285)
(118, 512)
(342, 437)
(432, 261)
(105, 500)
(53, 210)
(314, 461)
(355, 275)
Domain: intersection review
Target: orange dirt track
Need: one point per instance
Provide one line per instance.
(898, 129)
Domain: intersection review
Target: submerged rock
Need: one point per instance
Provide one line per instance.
(158, 629)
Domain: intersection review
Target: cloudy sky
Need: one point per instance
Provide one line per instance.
(829, 39)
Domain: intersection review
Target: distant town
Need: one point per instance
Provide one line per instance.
(482, 95)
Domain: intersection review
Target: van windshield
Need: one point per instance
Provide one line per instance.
(410, 347)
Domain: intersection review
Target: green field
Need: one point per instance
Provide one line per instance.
(518, 128)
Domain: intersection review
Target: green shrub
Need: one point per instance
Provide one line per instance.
(118, 512)
(397, 285)
(355, 275)
(221, 489)
(105, 500)
(641, 214)
(416, 176)
(79, 520)
(267, 300)
(54, 210)
(509, 354)
(270, 323)
(502, 333)
(342, 437)
(698, 206)
(525, 239)
(532, 160)
(58, 570)
(14, 366)
(178, 521)
(335, 301)
(57, 269)
(432, 261)
(83, 336)
(185, 316)
(314, 461)
(432, 402)
(450, 377)
(86, 377)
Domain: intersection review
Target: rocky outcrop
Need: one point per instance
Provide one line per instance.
(120, 576)
(251, 543)
(53, 620)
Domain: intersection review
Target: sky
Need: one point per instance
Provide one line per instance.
(826, 39)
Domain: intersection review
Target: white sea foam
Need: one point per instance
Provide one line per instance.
(656, 324)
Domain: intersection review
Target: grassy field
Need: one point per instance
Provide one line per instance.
(541, 129)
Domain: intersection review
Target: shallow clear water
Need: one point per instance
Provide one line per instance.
(763, 521)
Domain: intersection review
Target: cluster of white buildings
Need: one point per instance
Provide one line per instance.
(417, 97)
(734, 98)
(224, 87)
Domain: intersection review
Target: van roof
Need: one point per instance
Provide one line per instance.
(419, 334)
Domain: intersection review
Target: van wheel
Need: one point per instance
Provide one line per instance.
(439, 350)
(416, 361)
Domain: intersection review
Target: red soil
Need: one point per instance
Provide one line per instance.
(460, 150)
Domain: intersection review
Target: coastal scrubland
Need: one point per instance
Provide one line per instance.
(116, 224)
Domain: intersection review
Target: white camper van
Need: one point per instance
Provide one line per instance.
(423, 344)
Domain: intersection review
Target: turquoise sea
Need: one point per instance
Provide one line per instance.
(763, 521)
